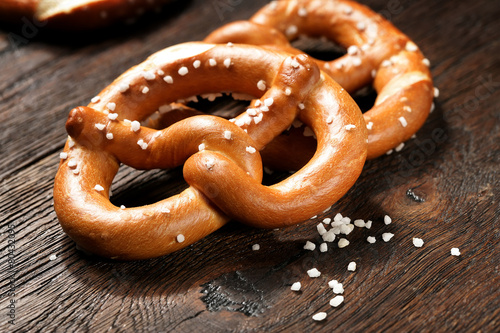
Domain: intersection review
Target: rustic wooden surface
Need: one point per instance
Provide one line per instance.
(443, 187)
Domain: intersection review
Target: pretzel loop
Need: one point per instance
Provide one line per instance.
(220, 158)
(376, 52)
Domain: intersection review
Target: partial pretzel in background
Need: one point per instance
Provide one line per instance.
(221, 158)
(377, 53)
(77, 14)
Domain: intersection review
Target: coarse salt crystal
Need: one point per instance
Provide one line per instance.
(112, 116)
(180, 238)
(95, 99)
(400, 147)
(123, 87)
(142, 144)
(368, 224)
(256, 247)
(336, 286)
(387, 219)
(148, 75)
(302, 12)
(411, 47)
(369, 125)
(386, 236)
(201, 146)
(145, 90)
(168, 79)
(352, 50)
(296, 286)
(343, 243)
(319, 316)
(321, 229)
(291, 30)
(183, 71)
(63, 156)
(196, 63)
(227, 135)
(269, 101)
(403, 121)
(351, 267)
(359, 223)
(336, 301)
(261, 85)
(100, 127)
(346, 229)
(135, 126)
(98, 188)
(109, 136)
(350, 127)
(371, 239)
(52, 257)
(309, 246)
(250, 149)
(329, 236)
(212, 62)
(313, 273)
(227, 62)
(455, 251)
(436, 92)
(418, 242)
(111, 106)
(323, 247)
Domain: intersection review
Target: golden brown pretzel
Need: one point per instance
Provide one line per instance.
(376, 52)
(220, 158)
(76, 14)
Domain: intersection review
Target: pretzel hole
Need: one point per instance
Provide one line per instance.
(224, 105)
(319, 47)
(134, 188)
(365, 98)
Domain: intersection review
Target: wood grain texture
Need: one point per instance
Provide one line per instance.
(442, 187)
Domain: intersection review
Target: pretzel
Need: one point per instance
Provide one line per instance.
(377, 53)
(220, 156)
(76, 14)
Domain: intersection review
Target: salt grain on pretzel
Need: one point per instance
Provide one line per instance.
(377, 53)
(98, 226)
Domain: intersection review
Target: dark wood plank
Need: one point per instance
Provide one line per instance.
(442, 187)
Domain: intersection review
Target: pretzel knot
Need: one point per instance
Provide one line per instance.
(221, 158)
(376, 52)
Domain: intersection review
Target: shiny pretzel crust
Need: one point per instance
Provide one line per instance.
(221, 158)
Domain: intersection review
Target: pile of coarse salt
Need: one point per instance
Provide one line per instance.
(331, 230)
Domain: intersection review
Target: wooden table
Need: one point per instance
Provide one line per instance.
(443, 187)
